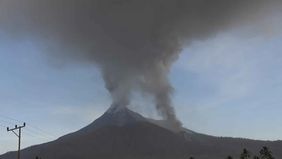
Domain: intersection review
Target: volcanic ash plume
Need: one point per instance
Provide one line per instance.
(133, 42)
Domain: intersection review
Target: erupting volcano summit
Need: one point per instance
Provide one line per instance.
(124, 134)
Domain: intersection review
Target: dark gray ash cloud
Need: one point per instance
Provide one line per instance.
(133, 42)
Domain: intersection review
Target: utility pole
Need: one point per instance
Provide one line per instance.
(19, 135)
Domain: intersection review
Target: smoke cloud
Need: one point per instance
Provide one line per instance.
(133, 42)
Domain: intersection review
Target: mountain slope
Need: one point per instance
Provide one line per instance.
(115, 117)
(122, 134)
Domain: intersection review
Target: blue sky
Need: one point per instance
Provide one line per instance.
(227, 85)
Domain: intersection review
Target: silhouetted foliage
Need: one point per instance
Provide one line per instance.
(245, 154)
(191, 158)
(229, 157)
(265, 153)
(256, 157)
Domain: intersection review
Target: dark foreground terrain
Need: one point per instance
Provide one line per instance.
(123, 134)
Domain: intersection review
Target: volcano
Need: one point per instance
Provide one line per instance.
(123, 134)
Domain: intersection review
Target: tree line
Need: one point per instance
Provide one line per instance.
(264, 153)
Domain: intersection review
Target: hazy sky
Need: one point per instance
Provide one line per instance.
(228, 85)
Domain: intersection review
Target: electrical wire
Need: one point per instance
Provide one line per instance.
(30, 129)
(38, 134)
(2, 126)
(39, 130)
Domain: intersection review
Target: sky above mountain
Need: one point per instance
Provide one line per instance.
(213, 65)
(227, 85)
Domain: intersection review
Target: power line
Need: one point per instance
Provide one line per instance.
(9, 118)
(38, 130)
(19, 135)
(31, 133)
(31, 128)
(38, 134)
(2, 126)
(6, 121)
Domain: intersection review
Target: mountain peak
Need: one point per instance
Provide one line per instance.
(115, 116)
(121, 116)
(117, 109)
(121, 134)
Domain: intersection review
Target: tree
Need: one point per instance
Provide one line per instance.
(245, 154)
(265, 153)
(256, 157)
(191, 158)
(229, 157)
